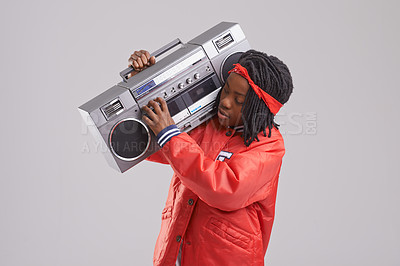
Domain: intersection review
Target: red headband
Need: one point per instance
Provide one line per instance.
(272, 104)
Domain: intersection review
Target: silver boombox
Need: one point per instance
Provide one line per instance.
(189, 79)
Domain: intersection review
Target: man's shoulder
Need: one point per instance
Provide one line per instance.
(273, 143)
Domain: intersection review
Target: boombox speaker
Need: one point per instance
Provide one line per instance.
(188, 78)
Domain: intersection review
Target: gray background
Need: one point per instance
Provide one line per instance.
(61, 204)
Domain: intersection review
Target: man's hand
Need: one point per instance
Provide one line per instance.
(160, 117)
(140, 60)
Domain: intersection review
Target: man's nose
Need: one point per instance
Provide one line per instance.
(226, 103)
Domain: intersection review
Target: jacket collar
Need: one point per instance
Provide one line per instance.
(235, 128)
(238, 128)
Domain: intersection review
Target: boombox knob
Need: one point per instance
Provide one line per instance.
(181, 86)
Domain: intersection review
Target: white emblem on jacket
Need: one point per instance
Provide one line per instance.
(224, 155)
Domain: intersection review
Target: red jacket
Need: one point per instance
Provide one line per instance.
(221, 201)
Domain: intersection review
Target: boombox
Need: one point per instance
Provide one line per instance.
(189, 78)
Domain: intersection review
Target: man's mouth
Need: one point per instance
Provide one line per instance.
(222, 114)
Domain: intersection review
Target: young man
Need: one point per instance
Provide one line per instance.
(221, 202)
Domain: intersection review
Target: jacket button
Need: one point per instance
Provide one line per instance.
(190, 202)
(178, 239)
(228, 133)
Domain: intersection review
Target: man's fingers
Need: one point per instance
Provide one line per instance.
(163, 104)
(146, 53)
(144, 59)
(141, 59)
(135, 65)
(152, 60)
(136, 60)
(133, 57)
(140, 62)
(147, 120)
(150, 113)
(155, 106)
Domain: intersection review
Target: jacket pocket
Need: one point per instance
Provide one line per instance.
(230, 233)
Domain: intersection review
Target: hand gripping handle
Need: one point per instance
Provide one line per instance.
(124, 73)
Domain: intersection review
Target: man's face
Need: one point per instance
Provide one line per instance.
(232, 98)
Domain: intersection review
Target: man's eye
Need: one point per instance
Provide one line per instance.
(238, 102)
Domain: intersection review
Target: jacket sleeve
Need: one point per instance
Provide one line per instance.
(228, 185)
(157, 157)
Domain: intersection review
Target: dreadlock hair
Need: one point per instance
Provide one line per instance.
(272, 76)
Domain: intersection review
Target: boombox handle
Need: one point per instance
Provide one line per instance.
(124, 73)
